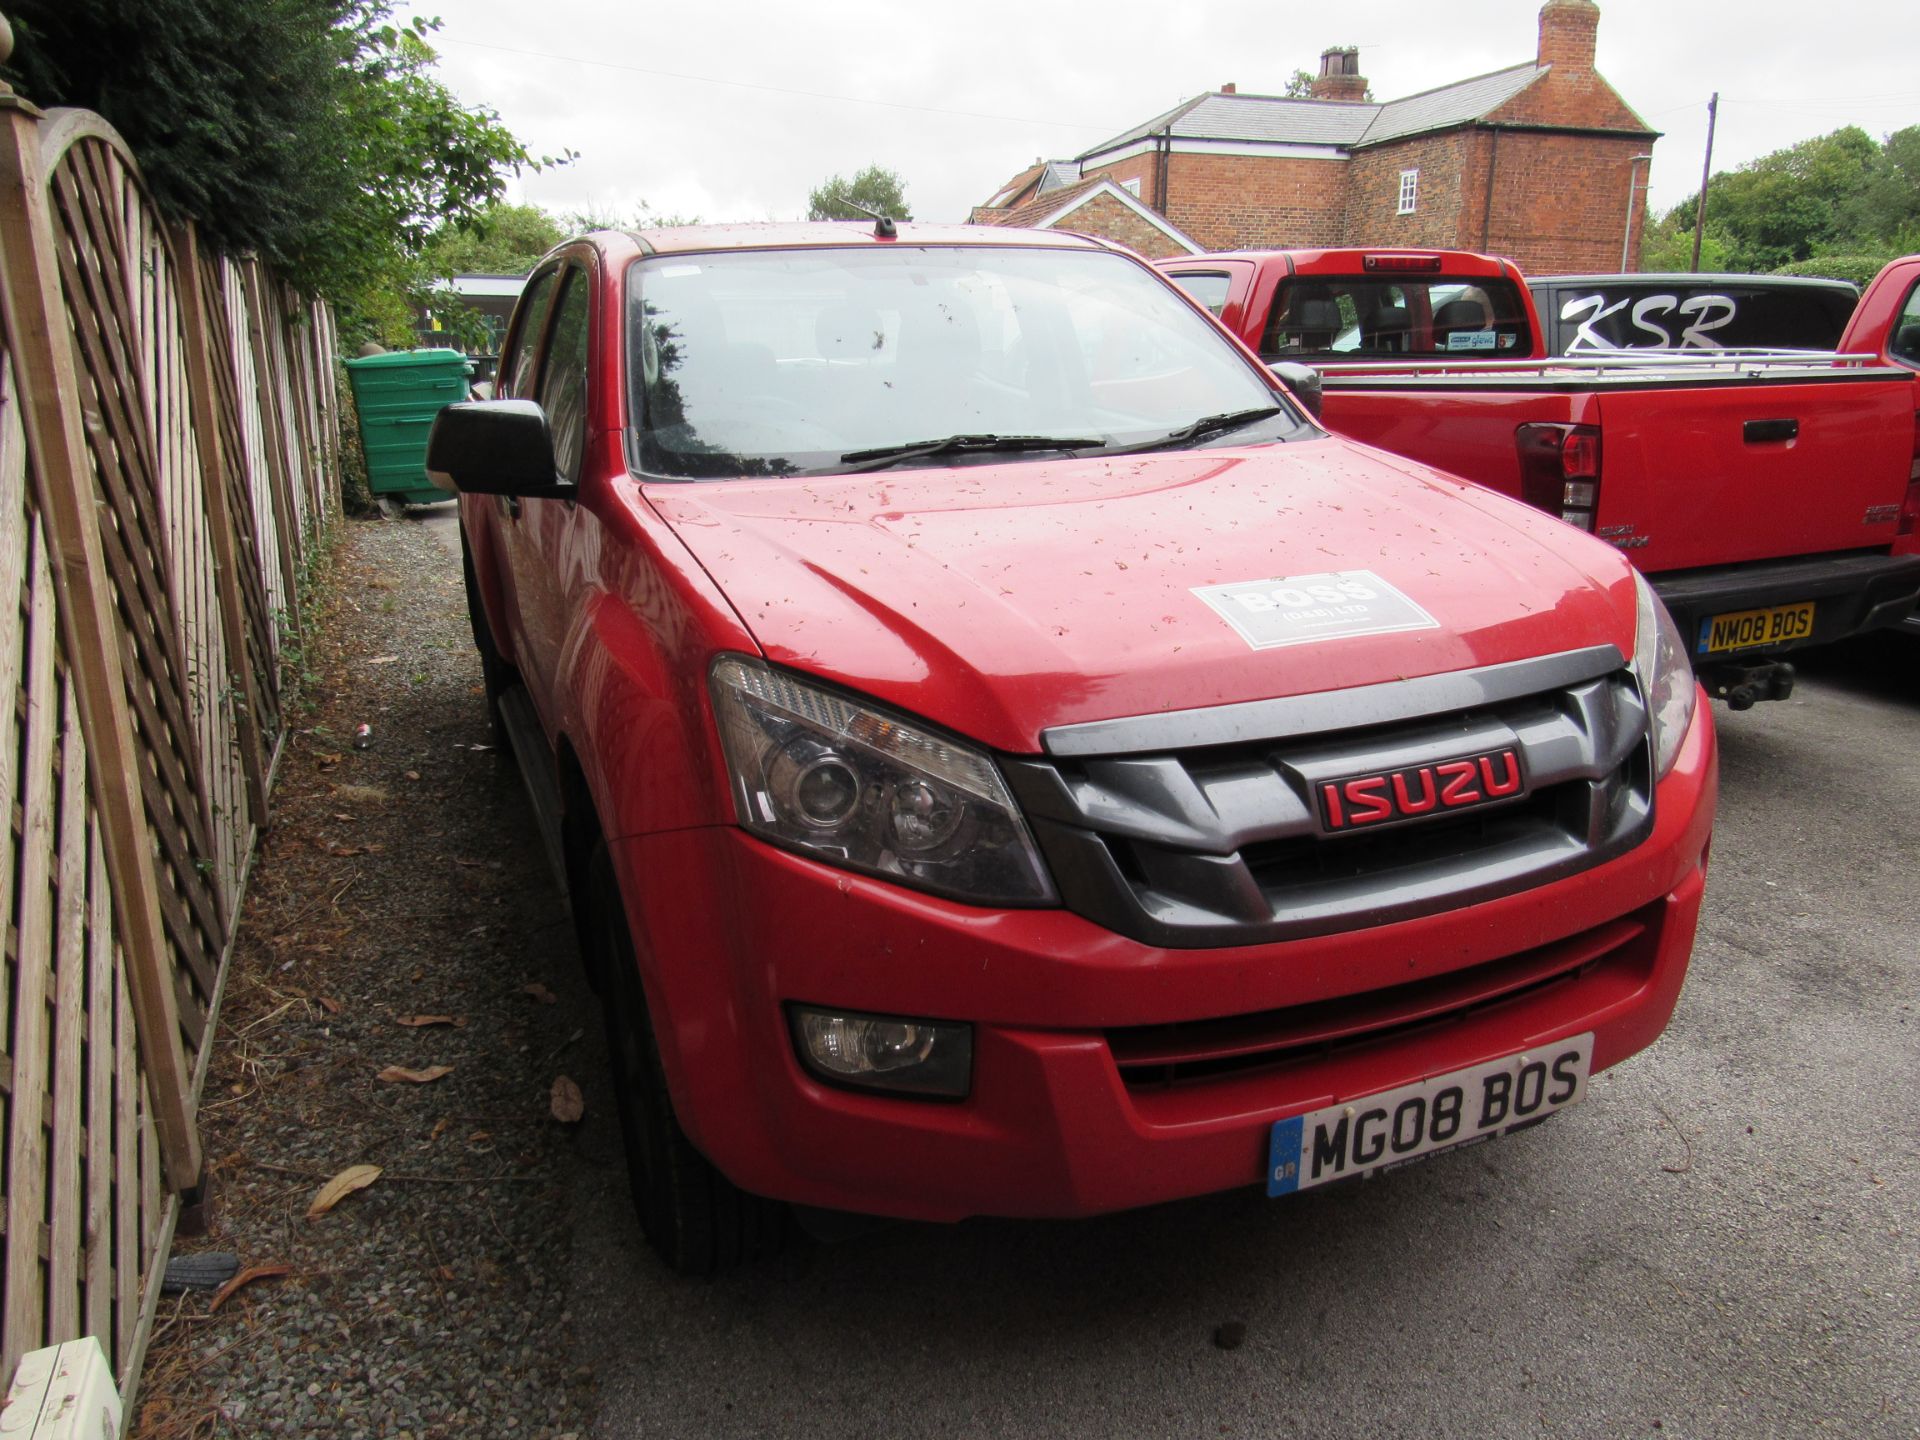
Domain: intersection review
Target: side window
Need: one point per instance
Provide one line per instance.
(1905, 343)
(1209, 288)
(563, 375)
(516, 366)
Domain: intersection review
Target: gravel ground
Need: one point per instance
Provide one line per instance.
(398, 881)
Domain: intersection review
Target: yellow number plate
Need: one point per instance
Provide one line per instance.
(1746, 629)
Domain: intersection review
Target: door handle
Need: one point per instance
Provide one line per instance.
(1760, 432)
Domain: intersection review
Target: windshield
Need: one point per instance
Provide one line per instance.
(1373, 318)
(791, 361)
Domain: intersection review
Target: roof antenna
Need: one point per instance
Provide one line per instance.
(883, 226)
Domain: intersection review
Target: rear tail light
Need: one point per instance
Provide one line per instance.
(1560, 470)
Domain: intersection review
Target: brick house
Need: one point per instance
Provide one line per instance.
(1542, 162)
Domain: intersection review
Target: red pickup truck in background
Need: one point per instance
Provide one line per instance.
(1768, 500)
(1006, 759)
(1886, 324)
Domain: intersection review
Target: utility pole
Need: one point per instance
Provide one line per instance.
(1706, 169)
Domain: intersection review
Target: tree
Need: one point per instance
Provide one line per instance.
(1788, 205)
(500, 240)
(881, 192)
(310, 132)
(1886, 207)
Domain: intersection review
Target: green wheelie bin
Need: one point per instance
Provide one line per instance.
(398, 394)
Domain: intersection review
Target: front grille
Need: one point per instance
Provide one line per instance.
(1216, 844)
(1161, 1055)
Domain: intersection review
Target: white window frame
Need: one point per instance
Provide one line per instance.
(1132, 187)
(1409, 192)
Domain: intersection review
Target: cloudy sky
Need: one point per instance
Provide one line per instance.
(735, 110)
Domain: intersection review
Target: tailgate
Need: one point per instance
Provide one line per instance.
(1717, 474)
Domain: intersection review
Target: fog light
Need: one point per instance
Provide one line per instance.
(885, 1052)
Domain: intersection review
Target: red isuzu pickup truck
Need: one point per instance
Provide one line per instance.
(1007, 760)
(1764, 497)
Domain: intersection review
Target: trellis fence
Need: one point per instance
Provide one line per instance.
(167, 449)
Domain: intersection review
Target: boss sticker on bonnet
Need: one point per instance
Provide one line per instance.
(1296, 609)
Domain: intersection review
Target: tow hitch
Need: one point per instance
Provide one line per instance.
(1743, 686)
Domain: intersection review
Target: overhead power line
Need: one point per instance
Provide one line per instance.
(772, 89)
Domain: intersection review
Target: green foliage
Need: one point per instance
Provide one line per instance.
(1669, 246)
(1860, 269)
(310, 132)
(881, 192)
(500, 240)
(1843, 193)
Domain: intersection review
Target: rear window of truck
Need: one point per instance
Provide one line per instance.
(1598, 318)
(1370, 317)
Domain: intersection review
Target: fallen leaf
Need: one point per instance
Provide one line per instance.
(413, 774)
(244, 1278)
(439, 1127)
(354, 1177)
(344, 851)
(330, 1005)
(479, 1136)
(383, 659)
(348, 818)
(325, 761)
(566, 1101)
(427, 1076)
(540, 993)
(416, 1022)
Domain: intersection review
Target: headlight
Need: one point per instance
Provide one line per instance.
(871, 790)
(1665, 674)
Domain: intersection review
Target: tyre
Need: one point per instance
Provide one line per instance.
(496, 675)
(698, 1221)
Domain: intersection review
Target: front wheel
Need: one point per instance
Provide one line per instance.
(700, 1222)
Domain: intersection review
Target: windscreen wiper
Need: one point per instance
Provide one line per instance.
(882, 456)
(1204, 426)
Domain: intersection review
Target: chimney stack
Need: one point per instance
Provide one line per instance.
(1340, 77)
(1566, 35)
(1230, 88)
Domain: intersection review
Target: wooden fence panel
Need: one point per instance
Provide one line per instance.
(191, 400)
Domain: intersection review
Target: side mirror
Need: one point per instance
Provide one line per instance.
(496, 447)
(1302, 382)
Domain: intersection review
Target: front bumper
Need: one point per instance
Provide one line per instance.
(731, 931)
(1851, 593)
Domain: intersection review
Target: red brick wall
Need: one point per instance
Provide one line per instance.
(1245, 202)
(1107, 218)
(1140, 167)
(1560, 202)
(1373, 192)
